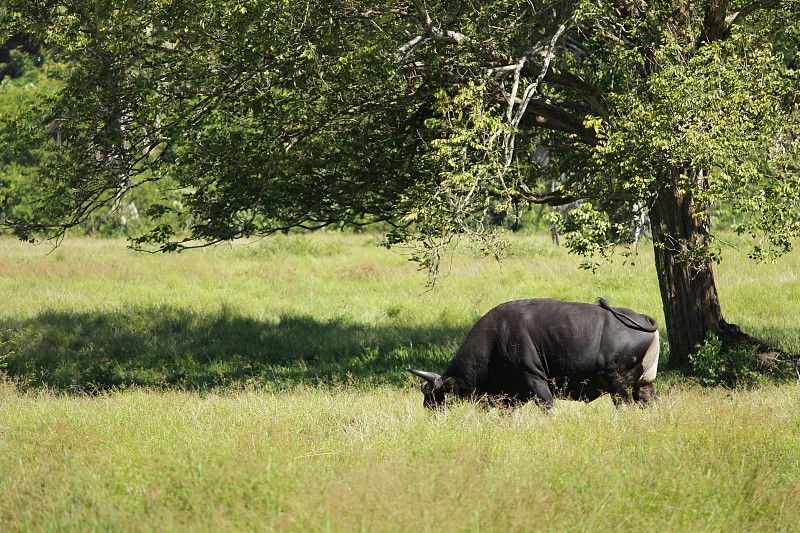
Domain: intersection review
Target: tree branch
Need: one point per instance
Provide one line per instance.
(554, 198)
(435, 31)
(556, 76)
(590, 94)
(737, 17)
(411, 46)
(544, 113)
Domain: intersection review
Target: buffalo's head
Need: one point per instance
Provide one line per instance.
(435, 389)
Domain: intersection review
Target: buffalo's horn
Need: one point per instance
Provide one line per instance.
(430, 377)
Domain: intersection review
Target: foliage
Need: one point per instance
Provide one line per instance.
(21, 112)
(25, 94)
(725, 107)
(265, 115)
(262, 115)
(255, 117)
(732, 366)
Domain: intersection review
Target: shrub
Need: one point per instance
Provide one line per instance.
(715, 363)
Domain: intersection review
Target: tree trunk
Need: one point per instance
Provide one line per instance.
(680, 229)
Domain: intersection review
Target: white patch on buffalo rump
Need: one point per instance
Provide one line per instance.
(650, 361)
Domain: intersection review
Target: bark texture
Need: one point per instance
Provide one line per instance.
(688, 292)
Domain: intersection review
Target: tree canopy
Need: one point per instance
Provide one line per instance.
(255, 116)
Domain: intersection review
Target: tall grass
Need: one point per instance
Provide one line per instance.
(356, 459)
(261, 387)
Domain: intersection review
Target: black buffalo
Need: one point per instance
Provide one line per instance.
(540, 348)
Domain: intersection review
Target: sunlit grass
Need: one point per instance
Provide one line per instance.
(262, 387)
(328, 308)
(355, 459)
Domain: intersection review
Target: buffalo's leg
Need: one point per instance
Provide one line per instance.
(539, 391)
(620, 391)
(645, 394)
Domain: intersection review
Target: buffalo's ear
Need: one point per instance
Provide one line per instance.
(449, 384)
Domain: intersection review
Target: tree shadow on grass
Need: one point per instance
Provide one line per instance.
(169, 347)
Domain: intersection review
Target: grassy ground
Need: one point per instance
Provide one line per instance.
(371, 459)
(318, 309)
(326, 308)
(261, 387)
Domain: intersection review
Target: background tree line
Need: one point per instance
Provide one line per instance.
(246, 118)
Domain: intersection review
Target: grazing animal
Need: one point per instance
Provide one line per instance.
(540, 348)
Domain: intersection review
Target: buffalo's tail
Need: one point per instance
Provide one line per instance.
(628, 321)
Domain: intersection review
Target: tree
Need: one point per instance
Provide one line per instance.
(269, 115)
(23, 83)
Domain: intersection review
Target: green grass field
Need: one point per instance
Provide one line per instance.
(261, 387)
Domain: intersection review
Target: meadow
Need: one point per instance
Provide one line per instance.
(261, 386)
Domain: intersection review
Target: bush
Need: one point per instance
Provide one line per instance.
(715, 363)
